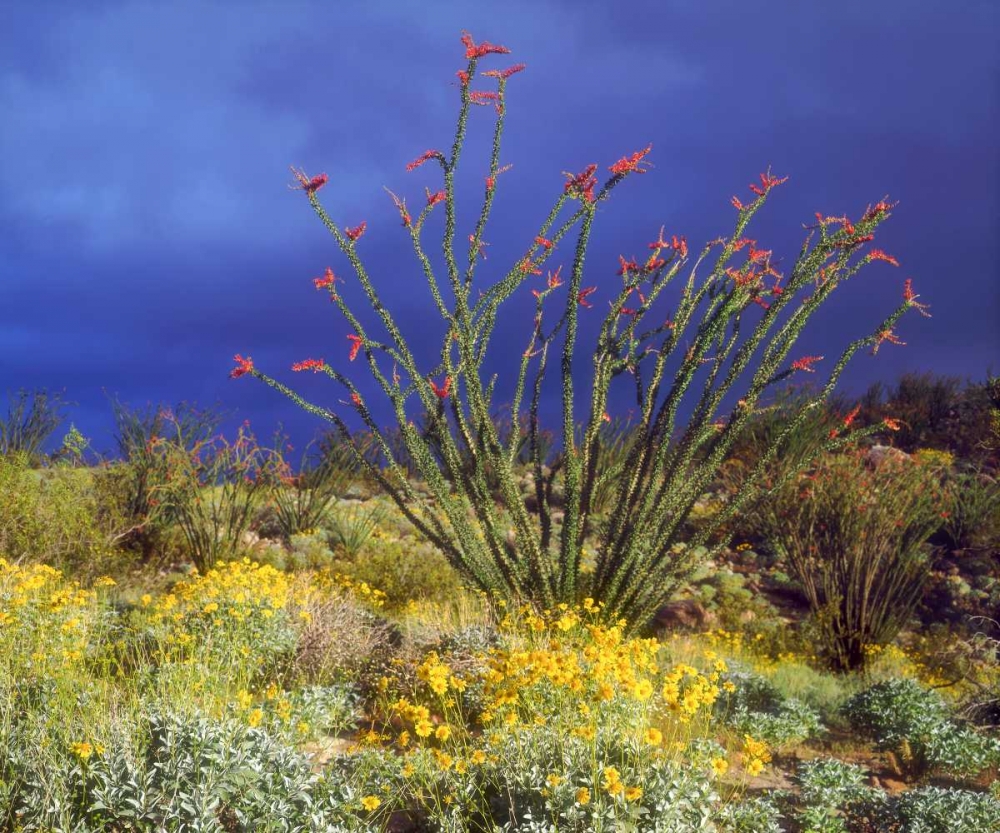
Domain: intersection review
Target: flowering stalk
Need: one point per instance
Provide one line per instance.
(476, 513)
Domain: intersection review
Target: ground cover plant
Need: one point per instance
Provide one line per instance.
(449, 625)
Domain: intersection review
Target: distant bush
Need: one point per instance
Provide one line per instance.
(213, 489)
(54, 515)
(32, 417)
(935, 412)
(137, 481)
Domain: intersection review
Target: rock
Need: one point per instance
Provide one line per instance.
(684, 613)
(879, 453)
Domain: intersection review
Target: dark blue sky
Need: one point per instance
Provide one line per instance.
(147, 232)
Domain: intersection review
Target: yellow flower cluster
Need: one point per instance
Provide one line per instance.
(755, 756)
(49, 617)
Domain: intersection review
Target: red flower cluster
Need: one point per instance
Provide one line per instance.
(583, 294)
(678, 244)
(543, 242)
(878, 254)
(426, 156)
(354, 233)
(444, 390)
(879, 208)
(767, 183)
(483, 97)
(806, 363)
(308, 185)
(627, 266)
(504, 73)
(243, 366)
(315, 365)
(326, 281)
(582, 184)
(631, 164)
(472, 50)
(435, 198)
(528, 267)
(356, 342)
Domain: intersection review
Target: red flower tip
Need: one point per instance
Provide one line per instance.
(679, 245)
(314, 365)
(310, 186)
(354, 233)
(401, 208)
(887, 335)
(891, 424)
(543, 242)
(767, 182)
(444, 390)
(463, 76)
(584, 294)
(555, 280)
(326, 281)
(881, 207)
(627, 266)
(483, 97)
(485, 48)
(435, 198)
(582, 184)
(528, 267)
(631, 164)
(911, 298)
(243, 366)
(504, 73)
(356, 399)
(605, 417)
(806, 363)
(356, 342)
(737, 204)
(491, 181)
(426, 156)
(852, 416)
(878, 254)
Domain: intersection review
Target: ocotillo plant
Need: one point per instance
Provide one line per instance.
(475, 512)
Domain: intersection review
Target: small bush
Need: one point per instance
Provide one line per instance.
(914, 723)
(853, 532)
(755, 707)
(404, 571)
(940, 810)
(54, 515)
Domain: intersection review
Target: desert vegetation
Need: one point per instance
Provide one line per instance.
(755, 605)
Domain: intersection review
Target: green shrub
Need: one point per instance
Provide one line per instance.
(973, 520)
(853, 531)
(213, 489)
(350, 526)
(137, 483)
(405, 571)
(302, 499)
(755, 707)
(941, 810)
(915, 724)
(54, 515)
(828, 792)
